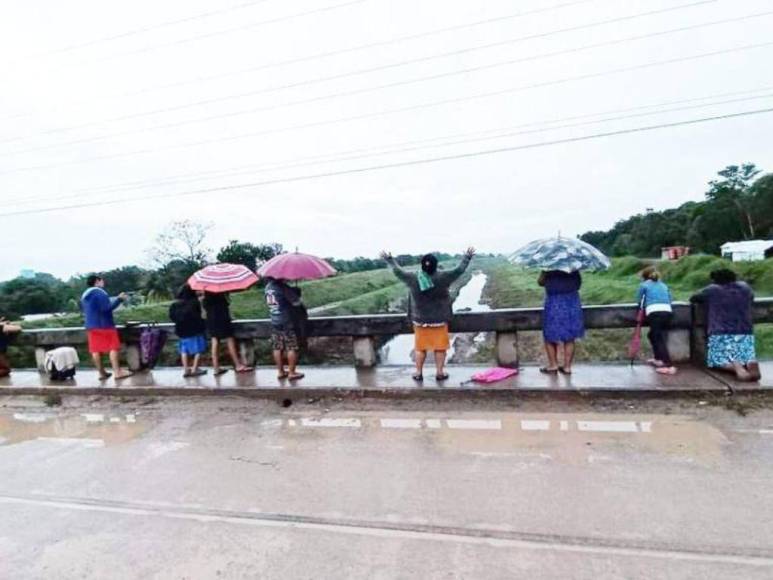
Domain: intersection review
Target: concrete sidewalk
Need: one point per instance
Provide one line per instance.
(387, 381)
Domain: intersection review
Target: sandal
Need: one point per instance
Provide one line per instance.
(219, 372)
(441, 377)
(244, 370)
(197, 373)
(296, 376)
(125, 375)
(547, 371)
(417, 377)
(282, 376)
(563, 371)
(105, 376)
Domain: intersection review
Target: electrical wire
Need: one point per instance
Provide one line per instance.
(402, 63)
(406, 146)
(426, 105)
(415, 162)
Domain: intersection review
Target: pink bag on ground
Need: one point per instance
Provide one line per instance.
(494, 375)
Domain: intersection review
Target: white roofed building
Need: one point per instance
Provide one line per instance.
(748, 251)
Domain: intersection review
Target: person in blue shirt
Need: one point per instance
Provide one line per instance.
(654, 297)
(97, 307)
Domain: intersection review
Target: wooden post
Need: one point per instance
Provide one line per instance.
(40, 358)
(507, 349)
(364, 351)
(133, 357)
(247, 351)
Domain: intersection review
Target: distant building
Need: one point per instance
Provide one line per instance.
(674, 252)
(748, 251)
(27, 273)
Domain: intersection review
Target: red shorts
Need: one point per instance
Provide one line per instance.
(102, 340)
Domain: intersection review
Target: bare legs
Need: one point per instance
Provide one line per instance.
(115, 363)
(551, 350)
(191, 369)
(440, 361)
(239, 367)
(292, 364)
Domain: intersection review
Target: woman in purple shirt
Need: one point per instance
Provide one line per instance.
(562, 321)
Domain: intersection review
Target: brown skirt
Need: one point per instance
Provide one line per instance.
(430, 338)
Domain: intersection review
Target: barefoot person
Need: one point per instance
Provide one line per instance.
(562, 322)
(655, 298)
(729, 325)
(220, 328)
(7, 331)
(430, 308)
(97, 307)
(282, 300)
(190, 328)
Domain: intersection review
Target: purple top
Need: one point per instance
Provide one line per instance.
(557, 282)
(729, 308)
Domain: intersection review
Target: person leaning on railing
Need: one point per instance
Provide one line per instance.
(431, 307)
(7, 330)
(730, 326)
(654, 297)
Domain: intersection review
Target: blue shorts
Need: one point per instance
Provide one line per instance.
(192, 344)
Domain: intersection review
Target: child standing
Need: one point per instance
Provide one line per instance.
(189, 326)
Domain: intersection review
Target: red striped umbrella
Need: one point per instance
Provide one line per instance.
(296, 266)
(220, 278)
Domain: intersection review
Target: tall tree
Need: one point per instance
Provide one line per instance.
(183, 241)
(734, 190)
(250, 255)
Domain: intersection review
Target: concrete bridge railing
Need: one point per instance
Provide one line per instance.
(686, 340)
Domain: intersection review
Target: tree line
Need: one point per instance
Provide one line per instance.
(736, 206)
(179, 251)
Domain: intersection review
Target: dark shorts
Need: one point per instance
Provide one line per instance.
(284, 340)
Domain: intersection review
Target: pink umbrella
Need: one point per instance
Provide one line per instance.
(220, 278)
(296, 266)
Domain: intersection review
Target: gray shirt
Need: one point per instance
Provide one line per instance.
(432, 306)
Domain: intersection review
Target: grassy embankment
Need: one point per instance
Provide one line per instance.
(509, 287)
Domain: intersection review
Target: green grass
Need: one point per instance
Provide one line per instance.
(511, 287)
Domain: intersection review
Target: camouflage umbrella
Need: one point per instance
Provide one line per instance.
(565, 254)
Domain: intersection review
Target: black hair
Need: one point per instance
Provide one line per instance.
(429, 263)
(186, 293)
(93, 279)
(723, 276)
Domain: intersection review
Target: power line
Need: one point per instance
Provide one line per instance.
(225, 31)
(401, 147)
(398, 64)
(394, 165)
(144, 29)
(426, 105)
(341, 51)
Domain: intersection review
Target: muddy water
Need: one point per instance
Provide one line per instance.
(97, 430)
(399, 350)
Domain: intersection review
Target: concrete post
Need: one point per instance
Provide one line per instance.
(698, 336)
(364, 351)
(679, 345)
(40, 358)
(507, 349)
(133, 357)
(247, 352)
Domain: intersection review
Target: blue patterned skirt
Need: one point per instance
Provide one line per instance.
(725, 349)
(562, 318)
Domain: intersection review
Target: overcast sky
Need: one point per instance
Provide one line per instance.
(105, 101)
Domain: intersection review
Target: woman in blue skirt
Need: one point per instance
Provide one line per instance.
(562, 322)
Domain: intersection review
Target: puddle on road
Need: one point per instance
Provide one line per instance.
(568, 438)
(111, 429)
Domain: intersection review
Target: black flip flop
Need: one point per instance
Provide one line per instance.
(417, 377)
(547, 371)
(219, 372)
(105, 376)
(563, 371)
(443, 377)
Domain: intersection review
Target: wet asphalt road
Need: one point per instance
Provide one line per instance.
(232, 488)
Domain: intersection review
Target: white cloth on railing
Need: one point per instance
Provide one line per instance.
(62, 358)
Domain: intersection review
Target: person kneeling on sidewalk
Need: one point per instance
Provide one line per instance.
(97, 307)
(281, 299)
(7, 330)
(190, 328)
